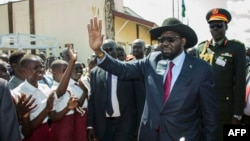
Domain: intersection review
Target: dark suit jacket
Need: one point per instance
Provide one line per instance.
(140, 97)
(191, 98)
(9, 126)
(97, 101)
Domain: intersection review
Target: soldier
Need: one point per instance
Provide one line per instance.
(228, 59)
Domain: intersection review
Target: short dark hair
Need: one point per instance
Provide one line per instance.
(16, 56)
(57, 63)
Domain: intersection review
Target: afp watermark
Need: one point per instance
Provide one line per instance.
(241, 132)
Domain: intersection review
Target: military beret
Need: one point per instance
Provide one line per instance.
(218, 14)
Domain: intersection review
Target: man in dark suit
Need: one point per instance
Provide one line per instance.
(119, 124)
(138, 47)
(9, 126)
(228, 60)
(192, 100)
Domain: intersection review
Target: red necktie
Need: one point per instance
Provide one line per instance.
(167, 84)
(247, 93)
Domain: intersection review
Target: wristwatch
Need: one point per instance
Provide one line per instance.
(238, 117)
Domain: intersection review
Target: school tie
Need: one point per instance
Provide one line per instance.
(109, 107)
(167, 84)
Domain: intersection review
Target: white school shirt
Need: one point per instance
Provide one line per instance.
(85, 80)
(75, 89)
(62, 102)
(40, 94)
(114, 99)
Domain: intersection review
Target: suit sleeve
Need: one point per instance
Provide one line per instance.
(209, 105)
(9, 126)
(240, 79)
(91, 104)
(125, 70)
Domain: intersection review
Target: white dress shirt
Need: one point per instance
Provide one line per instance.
(178, 62)
(114, 99)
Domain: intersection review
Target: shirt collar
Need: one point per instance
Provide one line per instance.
(29, 86)
(179, 59)
(220, 42)
(16, 79)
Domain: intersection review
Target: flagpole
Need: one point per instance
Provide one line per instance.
(178, 5)
(183, 7)
(173, 7)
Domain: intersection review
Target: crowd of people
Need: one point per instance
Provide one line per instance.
(176, 91)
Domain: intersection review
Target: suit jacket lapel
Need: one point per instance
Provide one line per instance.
(159, 78)
(103, 77)
(182, 78)
(103, 81)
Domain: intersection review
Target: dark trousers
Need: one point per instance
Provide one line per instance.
(114, 131)
(146, 133)
(246, 119)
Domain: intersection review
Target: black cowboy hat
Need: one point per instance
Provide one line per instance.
(173, 24)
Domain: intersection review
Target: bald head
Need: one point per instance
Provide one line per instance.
(110, 46)
(138, 48)
(109, 43)
(139, 42)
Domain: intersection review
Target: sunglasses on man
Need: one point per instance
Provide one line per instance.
(217, 25)
(169, 39)
(108, 49)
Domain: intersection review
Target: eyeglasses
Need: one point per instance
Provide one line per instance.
(109, 49)
(169, 39)
(218, 25)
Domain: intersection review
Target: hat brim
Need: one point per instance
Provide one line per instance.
(216, 19)
(182, 29)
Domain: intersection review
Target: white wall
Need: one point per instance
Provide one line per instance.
(67, 20)
(119, 5)
(21, 17)
(64, 19)
(4, 23)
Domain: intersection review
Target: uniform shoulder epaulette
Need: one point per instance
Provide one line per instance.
(202, 42)
(236, 41)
